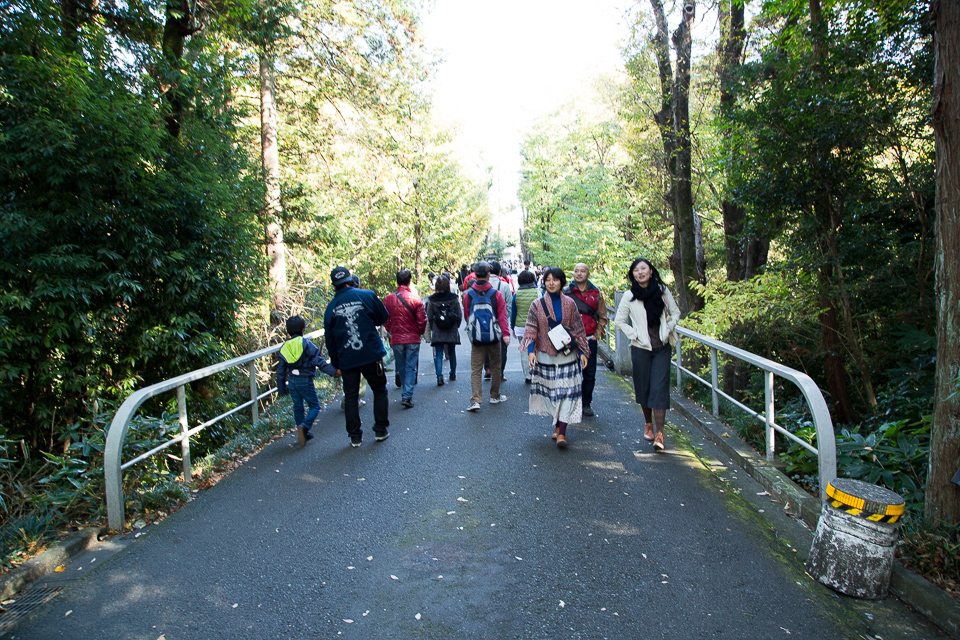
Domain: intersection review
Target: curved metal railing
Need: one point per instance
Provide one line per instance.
(116, 435)
(825, 450)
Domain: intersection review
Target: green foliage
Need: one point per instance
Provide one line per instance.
(932, 552)
(379, 200)
(890, 447)
(44, 497)
(834, 165)
(581, 196)
(48, 495)
(773, 315)
(126, 251)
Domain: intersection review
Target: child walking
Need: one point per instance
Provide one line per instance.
(299, 360)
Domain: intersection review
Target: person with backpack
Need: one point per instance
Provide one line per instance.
(299, 360)
(525, 296)
(486, 313)
(443, 320)
(406, 324)
(498, 282)
(593, 312)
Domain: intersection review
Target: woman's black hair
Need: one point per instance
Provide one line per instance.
(557, 274)
(442, 284)
(654, 274)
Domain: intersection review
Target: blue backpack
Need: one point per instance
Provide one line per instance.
(482, 323)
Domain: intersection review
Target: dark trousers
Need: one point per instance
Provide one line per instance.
(377, 380)
(590, 374)
(651, 376)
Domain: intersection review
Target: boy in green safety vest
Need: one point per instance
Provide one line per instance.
(299, 360)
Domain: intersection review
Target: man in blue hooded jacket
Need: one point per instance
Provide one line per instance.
(350, 322)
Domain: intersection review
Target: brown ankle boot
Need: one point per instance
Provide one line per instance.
(658, 441)
(562, 441)
(556, 432)
(648, 431)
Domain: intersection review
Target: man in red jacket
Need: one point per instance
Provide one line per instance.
(593, 312)
(406, 324)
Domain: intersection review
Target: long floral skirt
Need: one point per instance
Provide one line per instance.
(555, 391)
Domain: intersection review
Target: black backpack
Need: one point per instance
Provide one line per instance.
(443, 315)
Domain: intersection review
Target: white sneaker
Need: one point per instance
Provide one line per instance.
(474, 407)
(502, 398)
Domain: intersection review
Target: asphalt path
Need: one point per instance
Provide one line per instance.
(459, 526)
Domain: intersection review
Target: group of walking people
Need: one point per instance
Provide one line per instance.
(557, 329)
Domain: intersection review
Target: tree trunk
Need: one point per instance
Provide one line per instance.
(756, 256)
(853, 340)
(418, 245)
(673, 120)
(943, 498)
(270, 157)
(176, 28)
(735, 374)
(70, 23)
(691, 242)
(830, 344)
(731, 51)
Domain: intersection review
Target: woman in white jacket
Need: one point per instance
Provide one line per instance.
(653, 317)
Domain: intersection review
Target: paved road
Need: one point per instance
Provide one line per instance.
(459, 526)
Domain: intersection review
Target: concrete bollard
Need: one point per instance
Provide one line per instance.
(852, 550)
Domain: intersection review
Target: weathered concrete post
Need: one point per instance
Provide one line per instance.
(852, 550)
(621, 359)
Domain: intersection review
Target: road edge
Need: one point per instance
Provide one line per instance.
(915, 590)
(46, 562)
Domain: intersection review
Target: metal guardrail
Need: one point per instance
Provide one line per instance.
(117, 433)
(825, 450)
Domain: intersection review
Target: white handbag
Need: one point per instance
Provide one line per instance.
(561, 339)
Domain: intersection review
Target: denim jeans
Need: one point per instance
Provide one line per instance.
(302, 391)
(438, 357)
(407, 360)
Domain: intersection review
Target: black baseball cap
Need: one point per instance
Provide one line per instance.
(340, 275)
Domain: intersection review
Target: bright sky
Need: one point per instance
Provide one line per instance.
(508, 62)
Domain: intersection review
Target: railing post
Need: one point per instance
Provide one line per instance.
(255, 408)
(679, 373)
(185, 443)
(714, 382)
(622, 361)
(768, 414)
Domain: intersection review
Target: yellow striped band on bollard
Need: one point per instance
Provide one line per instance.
(862, 507)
